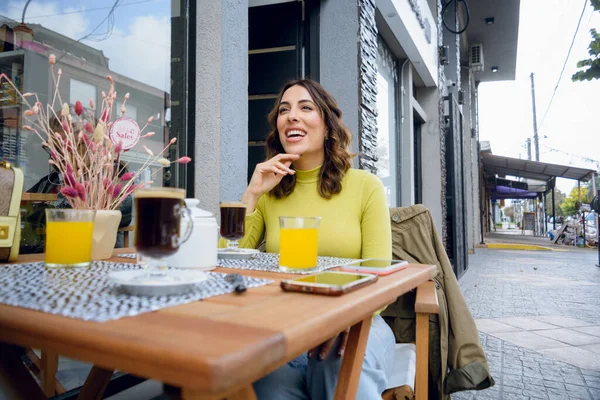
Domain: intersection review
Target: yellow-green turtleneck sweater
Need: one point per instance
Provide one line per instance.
(355, 223)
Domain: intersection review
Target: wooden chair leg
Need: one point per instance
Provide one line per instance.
(48, 368)
(422, 344)
(95, 384)
(125, 239)
(347, 384)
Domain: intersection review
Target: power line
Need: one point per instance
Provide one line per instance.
(86, 10)
(565, 64)
(586, 159)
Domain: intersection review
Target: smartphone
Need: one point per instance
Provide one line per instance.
(328, 283)
(375, 266)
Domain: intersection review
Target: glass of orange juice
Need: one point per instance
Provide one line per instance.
(298, 242)
(69, 238)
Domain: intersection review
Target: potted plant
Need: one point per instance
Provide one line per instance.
(87, 153)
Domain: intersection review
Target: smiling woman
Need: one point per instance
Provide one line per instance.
(307, 174)
(130, 40)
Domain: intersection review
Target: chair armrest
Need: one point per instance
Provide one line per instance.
(427, 301)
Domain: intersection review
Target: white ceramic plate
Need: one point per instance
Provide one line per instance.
(240, 254)
(173, 282)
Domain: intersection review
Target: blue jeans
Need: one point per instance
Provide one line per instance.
(305, 379)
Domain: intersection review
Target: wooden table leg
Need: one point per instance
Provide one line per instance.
(95, 384)
(244, 393)
(15, 380)
(353, 360)
(48, 368)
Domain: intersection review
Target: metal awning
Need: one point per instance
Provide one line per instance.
(494, 165)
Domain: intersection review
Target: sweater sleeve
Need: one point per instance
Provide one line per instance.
(375, 222)
(255, 226)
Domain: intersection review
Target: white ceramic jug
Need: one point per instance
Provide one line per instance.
(200, 250)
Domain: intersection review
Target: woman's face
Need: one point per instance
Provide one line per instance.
(300, 124)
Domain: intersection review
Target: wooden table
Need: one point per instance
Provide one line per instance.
(215, 348)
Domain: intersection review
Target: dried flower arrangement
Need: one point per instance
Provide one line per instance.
(81, 149)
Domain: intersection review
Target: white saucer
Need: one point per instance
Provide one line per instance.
(174, 282)
(239, 254)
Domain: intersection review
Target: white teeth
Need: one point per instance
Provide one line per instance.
(296, 133)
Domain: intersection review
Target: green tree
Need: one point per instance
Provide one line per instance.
(571, 204)
(509, 211)
(591, 65)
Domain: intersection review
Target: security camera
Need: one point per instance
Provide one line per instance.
(451, 83)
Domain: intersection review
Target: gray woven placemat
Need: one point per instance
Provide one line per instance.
(270, 262)
(86, 293)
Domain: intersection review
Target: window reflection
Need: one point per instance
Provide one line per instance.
(129, 40)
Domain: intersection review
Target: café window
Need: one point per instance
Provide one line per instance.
(387, 77)
(81, 91)
(143, 48)
(130, 110)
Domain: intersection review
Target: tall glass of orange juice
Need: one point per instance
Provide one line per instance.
(69, 238)
(298, 242)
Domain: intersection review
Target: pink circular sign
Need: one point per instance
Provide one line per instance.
(125, 130)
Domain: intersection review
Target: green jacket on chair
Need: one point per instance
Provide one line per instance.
(457, 361)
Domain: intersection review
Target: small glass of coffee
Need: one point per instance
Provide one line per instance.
(158, 213)
(233, 216)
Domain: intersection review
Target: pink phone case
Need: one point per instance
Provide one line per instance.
(374, 271)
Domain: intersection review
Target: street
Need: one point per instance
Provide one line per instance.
(538, 315)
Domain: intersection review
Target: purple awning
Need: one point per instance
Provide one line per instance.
(505, 192)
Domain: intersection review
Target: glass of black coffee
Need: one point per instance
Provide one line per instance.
(233, 216)
(158, 213)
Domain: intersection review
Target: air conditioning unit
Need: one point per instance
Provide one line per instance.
(476, 58)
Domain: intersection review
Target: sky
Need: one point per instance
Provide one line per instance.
(139, 46)
(572, 124)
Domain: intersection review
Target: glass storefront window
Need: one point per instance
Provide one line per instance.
(130, 40)
(386, 122)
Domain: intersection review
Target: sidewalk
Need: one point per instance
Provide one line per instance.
(538, 315)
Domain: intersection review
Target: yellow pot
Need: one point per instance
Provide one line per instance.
(106, 225)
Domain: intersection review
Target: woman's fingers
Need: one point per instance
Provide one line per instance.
(326, 348)
(343, 342)
(285, 168)
(286, 157)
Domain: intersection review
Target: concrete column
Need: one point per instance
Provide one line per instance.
(469, 158)
(234, 99)
(430, 154)
(339, 60)
(221, 101)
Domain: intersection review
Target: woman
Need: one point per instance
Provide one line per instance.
(307, 173)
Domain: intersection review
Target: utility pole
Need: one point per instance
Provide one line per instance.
(536, 142)
(528, 141)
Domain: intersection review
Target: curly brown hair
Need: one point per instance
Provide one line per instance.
(337, 146)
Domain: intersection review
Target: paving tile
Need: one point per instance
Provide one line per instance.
(576, 389)
(592, 382)
(595, 393)
(564, 322)
(529, 340)
(526, 323)
(554, 384)
(569, 336)
(594, 348)
(590, 330)
(575, 356)
(492, 326)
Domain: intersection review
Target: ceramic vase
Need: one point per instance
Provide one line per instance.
(106, 225)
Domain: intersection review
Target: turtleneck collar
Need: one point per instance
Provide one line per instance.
(308, 176)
